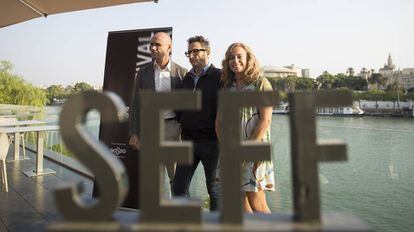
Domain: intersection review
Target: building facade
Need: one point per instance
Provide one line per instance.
(403, 78)
(285, 71)
(406, 78)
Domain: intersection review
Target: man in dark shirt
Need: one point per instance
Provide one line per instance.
(198, 126)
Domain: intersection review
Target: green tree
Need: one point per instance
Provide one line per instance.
(5, 66)
(377, 80)
(288, 84)
(283, 97)
(350, 82)
(55, 92)
(375, 95)
(274, 82)
(325, 80)
(305, 83)
(410, 96)
(15, 90)
(80, 87)
(358, 95)
(68, 90)
(356, 83)
(340, 80)
(395, 96)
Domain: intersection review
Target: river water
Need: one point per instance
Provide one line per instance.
(376, 183)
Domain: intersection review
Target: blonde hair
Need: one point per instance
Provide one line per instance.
(252, 72)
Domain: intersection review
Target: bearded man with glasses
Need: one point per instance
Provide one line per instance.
(199, 126)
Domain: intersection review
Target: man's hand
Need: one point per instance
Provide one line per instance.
(134, 142)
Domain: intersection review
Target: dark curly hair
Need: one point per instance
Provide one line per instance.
(200, 39)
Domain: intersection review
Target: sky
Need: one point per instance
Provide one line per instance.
(320, 35)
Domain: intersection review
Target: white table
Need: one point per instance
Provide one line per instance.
(39, 146)
(25, 123)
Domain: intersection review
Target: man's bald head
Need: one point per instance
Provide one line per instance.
(161, 48)
(162, 36)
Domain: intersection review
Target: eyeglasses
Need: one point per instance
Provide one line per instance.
(194, 52)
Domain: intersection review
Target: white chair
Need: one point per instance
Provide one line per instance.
(22, 135)
(4, 149)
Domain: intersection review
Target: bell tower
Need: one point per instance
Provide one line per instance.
(390, 65)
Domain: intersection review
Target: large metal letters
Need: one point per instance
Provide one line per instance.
(155, 153)
(183, 215)
(233, 152)
(306, 152)
(109, 172)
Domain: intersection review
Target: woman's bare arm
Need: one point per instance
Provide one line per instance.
(264, 123)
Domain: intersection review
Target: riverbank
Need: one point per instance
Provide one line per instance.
(387, 108)
(20, 112)
(361, 108)
(400, 113)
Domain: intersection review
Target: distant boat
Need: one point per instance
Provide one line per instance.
(58, 101)
(284, 108)
(340, 111)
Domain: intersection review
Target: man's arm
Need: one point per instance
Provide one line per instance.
(181, 72)
(133, 114)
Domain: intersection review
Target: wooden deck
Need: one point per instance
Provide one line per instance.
(29, 205)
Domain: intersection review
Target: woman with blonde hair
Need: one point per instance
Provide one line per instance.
(241, 72)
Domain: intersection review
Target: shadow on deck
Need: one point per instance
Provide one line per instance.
(29, 205)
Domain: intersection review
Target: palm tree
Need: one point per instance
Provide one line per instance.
(350, 72)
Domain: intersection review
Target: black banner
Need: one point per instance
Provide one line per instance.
(126, 53)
